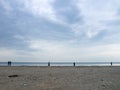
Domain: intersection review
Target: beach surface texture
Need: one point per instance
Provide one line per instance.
(59, 78)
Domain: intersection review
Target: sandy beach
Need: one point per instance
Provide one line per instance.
(59, 78)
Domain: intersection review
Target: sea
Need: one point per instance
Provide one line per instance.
(61, 63)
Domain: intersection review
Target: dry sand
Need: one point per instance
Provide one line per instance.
(60, 78)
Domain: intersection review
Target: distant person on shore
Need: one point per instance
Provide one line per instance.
(74, 64)
(9, 63)
(48, 63)
(111, 63)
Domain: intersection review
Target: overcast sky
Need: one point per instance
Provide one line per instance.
(60, 30)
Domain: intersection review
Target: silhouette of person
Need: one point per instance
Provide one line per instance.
(48, 63)
(9, 63)
(111, 63)
(74, 64)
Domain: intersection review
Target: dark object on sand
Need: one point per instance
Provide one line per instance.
(9, 63)
(13, 76)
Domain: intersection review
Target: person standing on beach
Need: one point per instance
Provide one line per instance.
(9, 63)
(111, 63)
(48, 63)
(74, 64)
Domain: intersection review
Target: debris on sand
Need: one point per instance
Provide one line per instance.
(13, 75)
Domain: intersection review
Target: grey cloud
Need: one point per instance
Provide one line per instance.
(68, 11)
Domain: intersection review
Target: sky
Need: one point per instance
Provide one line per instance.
(60, 30)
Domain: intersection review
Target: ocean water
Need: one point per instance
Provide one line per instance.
(61, 64)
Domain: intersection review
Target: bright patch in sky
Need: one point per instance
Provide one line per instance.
(60, 30)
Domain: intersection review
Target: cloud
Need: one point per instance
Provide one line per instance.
(6, 5)
(95, 17)
(55, 51)
(46, 50)
(19, 37)
(99, 12)
(60, 30)
(6, 52)
(41, 8)
(67, 11)
(14, 55)
(46, 46)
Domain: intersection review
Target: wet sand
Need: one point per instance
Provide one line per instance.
(60, 78)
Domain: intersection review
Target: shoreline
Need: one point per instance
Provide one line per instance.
(61, 66)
